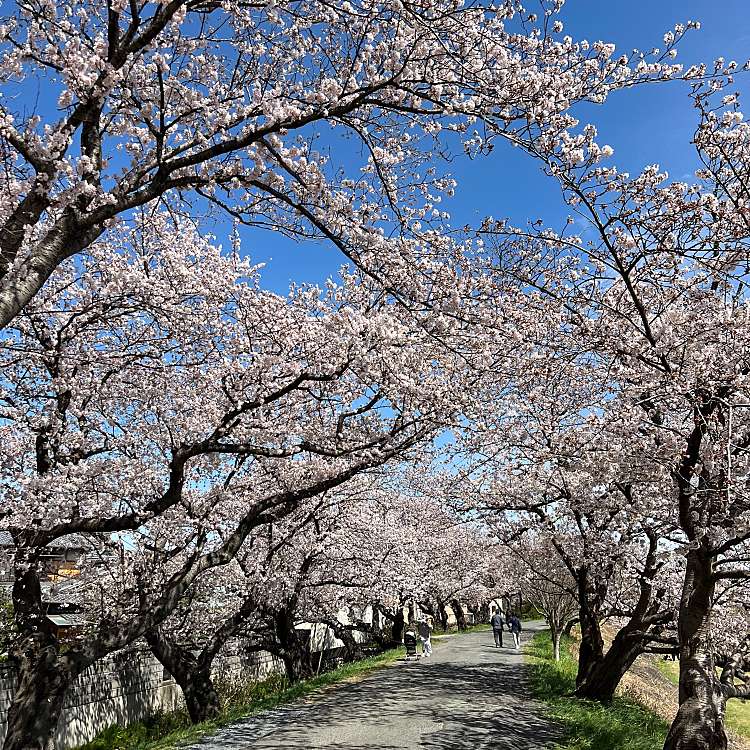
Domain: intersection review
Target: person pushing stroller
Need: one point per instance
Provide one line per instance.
(410, 642)
(425, 631)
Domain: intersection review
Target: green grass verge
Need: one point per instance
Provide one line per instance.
(738, 711)
(587, 725)
(166, 731)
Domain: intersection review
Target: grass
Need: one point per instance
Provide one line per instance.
(587, 725)
(166, 731)
(738, 711)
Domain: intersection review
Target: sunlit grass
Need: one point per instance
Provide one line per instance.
(588, 725)
(738, 711)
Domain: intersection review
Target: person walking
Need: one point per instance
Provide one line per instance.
(424, 634)
(514, 625)
(498, 622)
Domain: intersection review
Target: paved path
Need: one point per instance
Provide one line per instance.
(467, 696)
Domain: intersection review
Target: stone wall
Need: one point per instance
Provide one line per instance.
(132, 684)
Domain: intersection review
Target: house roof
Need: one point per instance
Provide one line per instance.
(67, 621)
(69, 541)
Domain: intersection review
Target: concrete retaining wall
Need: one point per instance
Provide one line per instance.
(131, 685)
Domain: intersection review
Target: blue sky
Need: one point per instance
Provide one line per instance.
(645, 126)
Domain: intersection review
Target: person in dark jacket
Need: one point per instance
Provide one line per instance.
(498, 622)
(514, 625)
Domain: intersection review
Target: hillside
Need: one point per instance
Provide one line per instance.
(652, 682)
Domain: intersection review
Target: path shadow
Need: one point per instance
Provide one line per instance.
(480, 705)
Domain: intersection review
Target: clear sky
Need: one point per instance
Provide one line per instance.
(645, 126)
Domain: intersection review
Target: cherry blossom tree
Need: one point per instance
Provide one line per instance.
(457, 563)
(155, 393)
(655, 293)
(546, 461)
(570, 492)
(549, 586)
(336, 553)
(242, 107)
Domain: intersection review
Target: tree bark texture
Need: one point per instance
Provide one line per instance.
(443, 614)
(40, 694)
(44, 676)
(699, 724)
(294, 648)
(591, 651)
(458, 611)
(191, 673)
(604, 674)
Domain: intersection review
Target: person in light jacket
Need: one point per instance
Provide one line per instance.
(424, 633)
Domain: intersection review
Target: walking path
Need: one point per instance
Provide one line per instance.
(467, 696)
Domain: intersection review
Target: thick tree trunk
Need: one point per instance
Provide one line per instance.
(604, 675)
(699, 724)
(44, 676)
(458, 611)
(397, 626)
(192, 674)
(39, 697)
(201, 698)
(297, 664)
(591, 651)
(345, 633)
(393, 632)
(376, 632)
(294, 648)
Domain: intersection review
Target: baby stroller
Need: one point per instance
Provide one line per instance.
(410, 643)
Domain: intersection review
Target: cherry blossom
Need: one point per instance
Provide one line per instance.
(243, 107)
(156, 399)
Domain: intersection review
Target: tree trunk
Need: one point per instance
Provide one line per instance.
(397, 626)
(699, 724)
(393, 634)
(376, 632)
(458, 611)
(294, 648)
(297, 664)
(591, 651)
(192, 674)
(604, 675)
(38, 700)
(345, 633)
(443, 613)
(44, 676)
(201, 698)
(556, 635)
